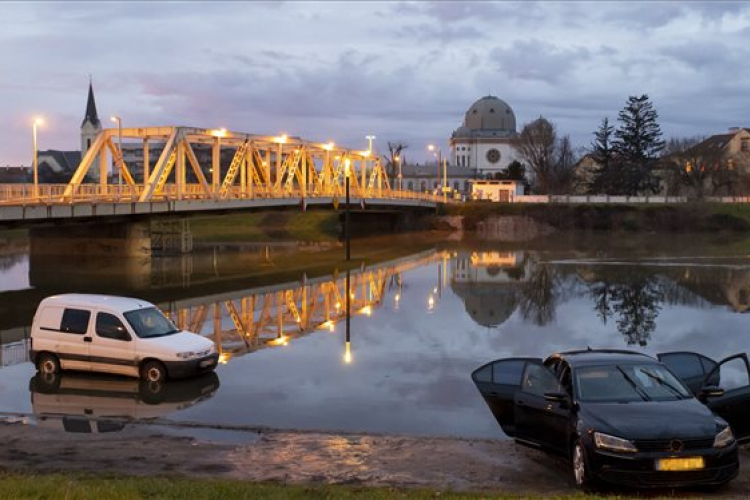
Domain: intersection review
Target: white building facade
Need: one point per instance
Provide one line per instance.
(484, 143)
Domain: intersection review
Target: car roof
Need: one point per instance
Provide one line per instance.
(603, 356)
(111, 302)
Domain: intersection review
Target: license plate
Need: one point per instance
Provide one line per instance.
(679, 464)
(206, 362)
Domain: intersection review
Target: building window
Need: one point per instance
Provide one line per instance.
(410, 186)
(88, 143)
(493, 155)
(745, 146)
(424, 186)
(456, 186)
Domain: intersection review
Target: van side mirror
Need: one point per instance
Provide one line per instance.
(711, 391)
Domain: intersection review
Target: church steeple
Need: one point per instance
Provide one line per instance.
(91, 114)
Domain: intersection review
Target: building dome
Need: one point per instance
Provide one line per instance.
(491, 114)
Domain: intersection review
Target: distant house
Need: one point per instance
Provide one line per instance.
(57, 167)
(503, 191)
(15, 175)
(584, 173)
(428, 178)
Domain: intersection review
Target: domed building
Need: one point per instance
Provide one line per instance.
(484, 143)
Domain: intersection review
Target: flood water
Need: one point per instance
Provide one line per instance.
(424, 315)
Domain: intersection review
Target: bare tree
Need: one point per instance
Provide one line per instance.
(393, 157)
(550, 160)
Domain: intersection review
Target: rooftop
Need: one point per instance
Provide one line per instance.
(91, 300)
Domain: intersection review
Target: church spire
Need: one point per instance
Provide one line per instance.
(91, 114)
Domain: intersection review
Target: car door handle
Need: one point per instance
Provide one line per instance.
(87, 339)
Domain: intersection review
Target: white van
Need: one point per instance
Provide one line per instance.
(103, 333)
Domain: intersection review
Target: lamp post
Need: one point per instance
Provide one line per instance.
(348, 346)
(35, 124)
(347, 235)
(442, 160)
(118, 121)
(397, 159)
(370, 138)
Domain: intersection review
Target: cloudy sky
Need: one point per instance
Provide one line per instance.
(339, 71)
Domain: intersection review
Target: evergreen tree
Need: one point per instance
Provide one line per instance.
(602, 152)
(637, 146)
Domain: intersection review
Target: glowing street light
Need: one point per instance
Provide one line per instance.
(431, 148)
(370, 138)
(37, 122)
(397, 159)
(118, 163)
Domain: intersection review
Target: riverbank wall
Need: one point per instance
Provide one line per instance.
(687, 217)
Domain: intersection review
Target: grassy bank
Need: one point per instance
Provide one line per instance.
(688, 217)
(86, 487)
(311, 225)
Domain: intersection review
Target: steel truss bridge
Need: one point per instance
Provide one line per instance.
(240, 323)
(264, 171)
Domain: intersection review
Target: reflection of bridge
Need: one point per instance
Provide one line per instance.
(264, 171)
(243, 322)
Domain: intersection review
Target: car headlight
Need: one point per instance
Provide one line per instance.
(724, 438)
(607, 442)
(186, 355)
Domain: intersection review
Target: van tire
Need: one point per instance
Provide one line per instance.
(47, 363)
(153, 371)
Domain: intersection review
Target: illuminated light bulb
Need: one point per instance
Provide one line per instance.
(348, 353)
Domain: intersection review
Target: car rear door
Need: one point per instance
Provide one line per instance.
(731, 374)
(690, 367)
(498, 382)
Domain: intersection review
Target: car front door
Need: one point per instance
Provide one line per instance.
(111, 349)
(540, 421)
(498, 382)
(732, 374)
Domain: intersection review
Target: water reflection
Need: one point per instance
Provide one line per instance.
(79, 402)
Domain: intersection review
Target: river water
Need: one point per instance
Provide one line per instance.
(424, 314)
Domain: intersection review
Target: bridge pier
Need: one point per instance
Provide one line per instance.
(111, 239)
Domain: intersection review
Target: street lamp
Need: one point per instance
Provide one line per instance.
(35, 124)
(397, 159)
(347, 235)
(370, 138)
(431, 147)
(118, 121)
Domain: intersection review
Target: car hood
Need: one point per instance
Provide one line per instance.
(686, 418)
(179, 342)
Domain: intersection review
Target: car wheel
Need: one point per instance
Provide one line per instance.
(582, 473)
(48, 364)
(153, 371)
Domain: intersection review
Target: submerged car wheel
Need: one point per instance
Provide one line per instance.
(581, 471)
(48, 364)
(153, 371)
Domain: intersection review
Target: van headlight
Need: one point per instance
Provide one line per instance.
(186, 355)
(724, 438)
(212, 350)
(607, 442)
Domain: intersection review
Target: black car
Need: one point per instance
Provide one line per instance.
(624, 417)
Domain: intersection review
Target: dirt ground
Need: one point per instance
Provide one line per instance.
(305, 458)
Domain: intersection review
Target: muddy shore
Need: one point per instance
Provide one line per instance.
(304, 458)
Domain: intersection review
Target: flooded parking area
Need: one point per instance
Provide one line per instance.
(424, 315)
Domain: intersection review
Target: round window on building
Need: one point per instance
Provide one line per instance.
(493, 155)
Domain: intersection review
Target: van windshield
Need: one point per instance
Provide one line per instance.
(150, 322)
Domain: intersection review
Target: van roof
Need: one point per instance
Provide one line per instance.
(94, 300)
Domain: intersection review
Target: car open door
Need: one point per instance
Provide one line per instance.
(690, 367)
(734, 405)
(498, 382)
(732, 374)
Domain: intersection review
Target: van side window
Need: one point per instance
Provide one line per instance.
(75, 321)
(109, 326)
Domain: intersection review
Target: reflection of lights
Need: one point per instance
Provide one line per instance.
(398, 297)
(366, 310)
(430, 302)
(328, 324)
(348, 353)
(282, 340)
(434, 290)
(338, 305)
(224, 358)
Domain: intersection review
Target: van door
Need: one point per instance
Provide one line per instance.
(111, 347)
(70, 339)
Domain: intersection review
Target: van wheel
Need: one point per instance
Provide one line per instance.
(153, 371)
(48, 364)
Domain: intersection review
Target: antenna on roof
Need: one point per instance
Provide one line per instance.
(588, 348)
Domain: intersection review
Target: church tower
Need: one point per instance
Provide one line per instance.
(91, 125)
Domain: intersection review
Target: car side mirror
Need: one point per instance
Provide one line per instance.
(555, 397)
(711, 391)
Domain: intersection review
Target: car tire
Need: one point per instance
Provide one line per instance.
(582, 472)
(153, 371)
(48, 364)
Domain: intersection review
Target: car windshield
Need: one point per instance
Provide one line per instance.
(628, 382)
(150, 322)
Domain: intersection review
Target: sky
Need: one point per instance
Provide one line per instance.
(338, 71)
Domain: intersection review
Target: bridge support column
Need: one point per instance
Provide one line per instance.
(119, 239)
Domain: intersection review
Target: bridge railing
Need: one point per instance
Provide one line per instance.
(52, 194)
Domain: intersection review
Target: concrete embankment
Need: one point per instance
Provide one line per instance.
(542, 219)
